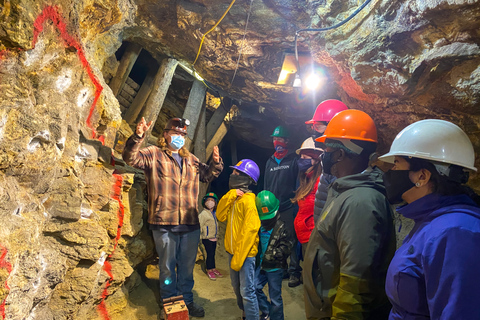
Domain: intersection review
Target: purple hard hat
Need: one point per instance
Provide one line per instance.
(249, 167)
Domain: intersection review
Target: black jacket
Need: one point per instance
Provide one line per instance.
(281, 179)
(278, 249)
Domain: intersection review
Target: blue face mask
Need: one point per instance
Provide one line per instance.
(177, 142)
(304, 164)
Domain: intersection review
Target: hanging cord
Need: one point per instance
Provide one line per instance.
(341, 23)
(243, 42)
(216, 24)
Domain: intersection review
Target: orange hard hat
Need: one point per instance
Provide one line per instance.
(350, 124)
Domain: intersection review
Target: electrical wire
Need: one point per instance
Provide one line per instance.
(243, 42)
(216, 24)
(341, 23)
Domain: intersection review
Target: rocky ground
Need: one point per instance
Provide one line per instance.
(216, 297)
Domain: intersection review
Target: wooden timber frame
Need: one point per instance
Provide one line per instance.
(201, 136)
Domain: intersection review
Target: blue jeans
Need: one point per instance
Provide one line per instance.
(176, 249)
(243, 283)
(274, 279)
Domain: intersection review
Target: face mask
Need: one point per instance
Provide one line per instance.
(327, 162)
(280, 149)
(270, 223)
(210, 204)
(304, 164)
(177, 142)
(239, 181)
(397, 182)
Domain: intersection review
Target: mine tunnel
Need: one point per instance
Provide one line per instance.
(77, 77)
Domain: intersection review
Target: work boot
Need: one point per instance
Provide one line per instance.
(195, 310)
(294, 281)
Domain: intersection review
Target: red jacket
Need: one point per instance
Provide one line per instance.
(304, 221)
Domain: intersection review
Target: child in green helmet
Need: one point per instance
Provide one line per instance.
(274, 248)
(208, 233)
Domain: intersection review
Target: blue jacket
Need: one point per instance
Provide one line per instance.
(435, 273)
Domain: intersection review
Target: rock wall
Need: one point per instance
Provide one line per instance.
(72, 215)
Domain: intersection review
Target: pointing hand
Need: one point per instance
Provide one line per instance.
(143, 127)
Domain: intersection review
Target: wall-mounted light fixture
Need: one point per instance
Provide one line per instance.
(310, 76)
(290, 75)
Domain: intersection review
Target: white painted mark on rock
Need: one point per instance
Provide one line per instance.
(83, 97)
(64, 81)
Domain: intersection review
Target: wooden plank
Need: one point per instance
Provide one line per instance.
(126, 64)
(233, 149)
(217, 119)
(194, 106)
(124, 94)
(123, 102)
(201, 152)
(200, 146)
(160, 86)
(126, 88)
(141, 97)
(217, 138)
(132, 84)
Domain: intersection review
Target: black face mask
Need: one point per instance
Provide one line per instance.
(304, 164)
(327, 162)
(397, 182)
(270, 223)
(239, 181)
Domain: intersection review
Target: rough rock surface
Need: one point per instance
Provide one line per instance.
(62, 198)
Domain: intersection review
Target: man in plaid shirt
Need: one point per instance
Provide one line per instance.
(173, 176)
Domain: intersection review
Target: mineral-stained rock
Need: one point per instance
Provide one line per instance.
(83, 239)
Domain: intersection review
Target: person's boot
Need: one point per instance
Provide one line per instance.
(195, 310)
(294, 281)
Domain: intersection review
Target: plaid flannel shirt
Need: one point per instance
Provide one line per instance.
(172, 194)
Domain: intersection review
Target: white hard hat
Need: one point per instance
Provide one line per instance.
(437, 140)
(309, 144)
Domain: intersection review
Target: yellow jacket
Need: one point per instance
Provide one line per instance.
(241, 236)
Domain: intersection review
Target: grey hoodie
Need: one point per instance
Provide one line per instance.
(349, 251)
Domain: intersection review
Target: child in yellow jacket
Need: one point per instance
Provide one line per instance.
(237, 207)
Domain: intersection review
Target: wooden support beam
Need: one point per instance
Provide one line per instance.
(160, 86)
(200, 152)
(217, 138)
(217, 119)
(194, 106)
(126, 64)
(142, 95)
(200, 145)
(233, 149)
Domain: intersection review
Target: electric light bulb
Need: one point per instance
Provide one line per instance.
(312, 81)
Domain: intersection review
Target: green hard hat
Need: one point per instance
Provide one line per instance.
(267, 205)
(209, 195)
(280, 132)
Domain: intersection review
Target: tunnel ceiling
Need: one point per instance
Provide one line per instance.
(400, 61)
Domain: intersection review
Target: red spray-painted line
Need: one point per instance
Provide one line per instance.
(4, 264)
(52, 13)
(116, 195)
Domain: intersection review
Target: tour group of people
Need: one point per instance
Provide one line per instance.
(329, 203)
